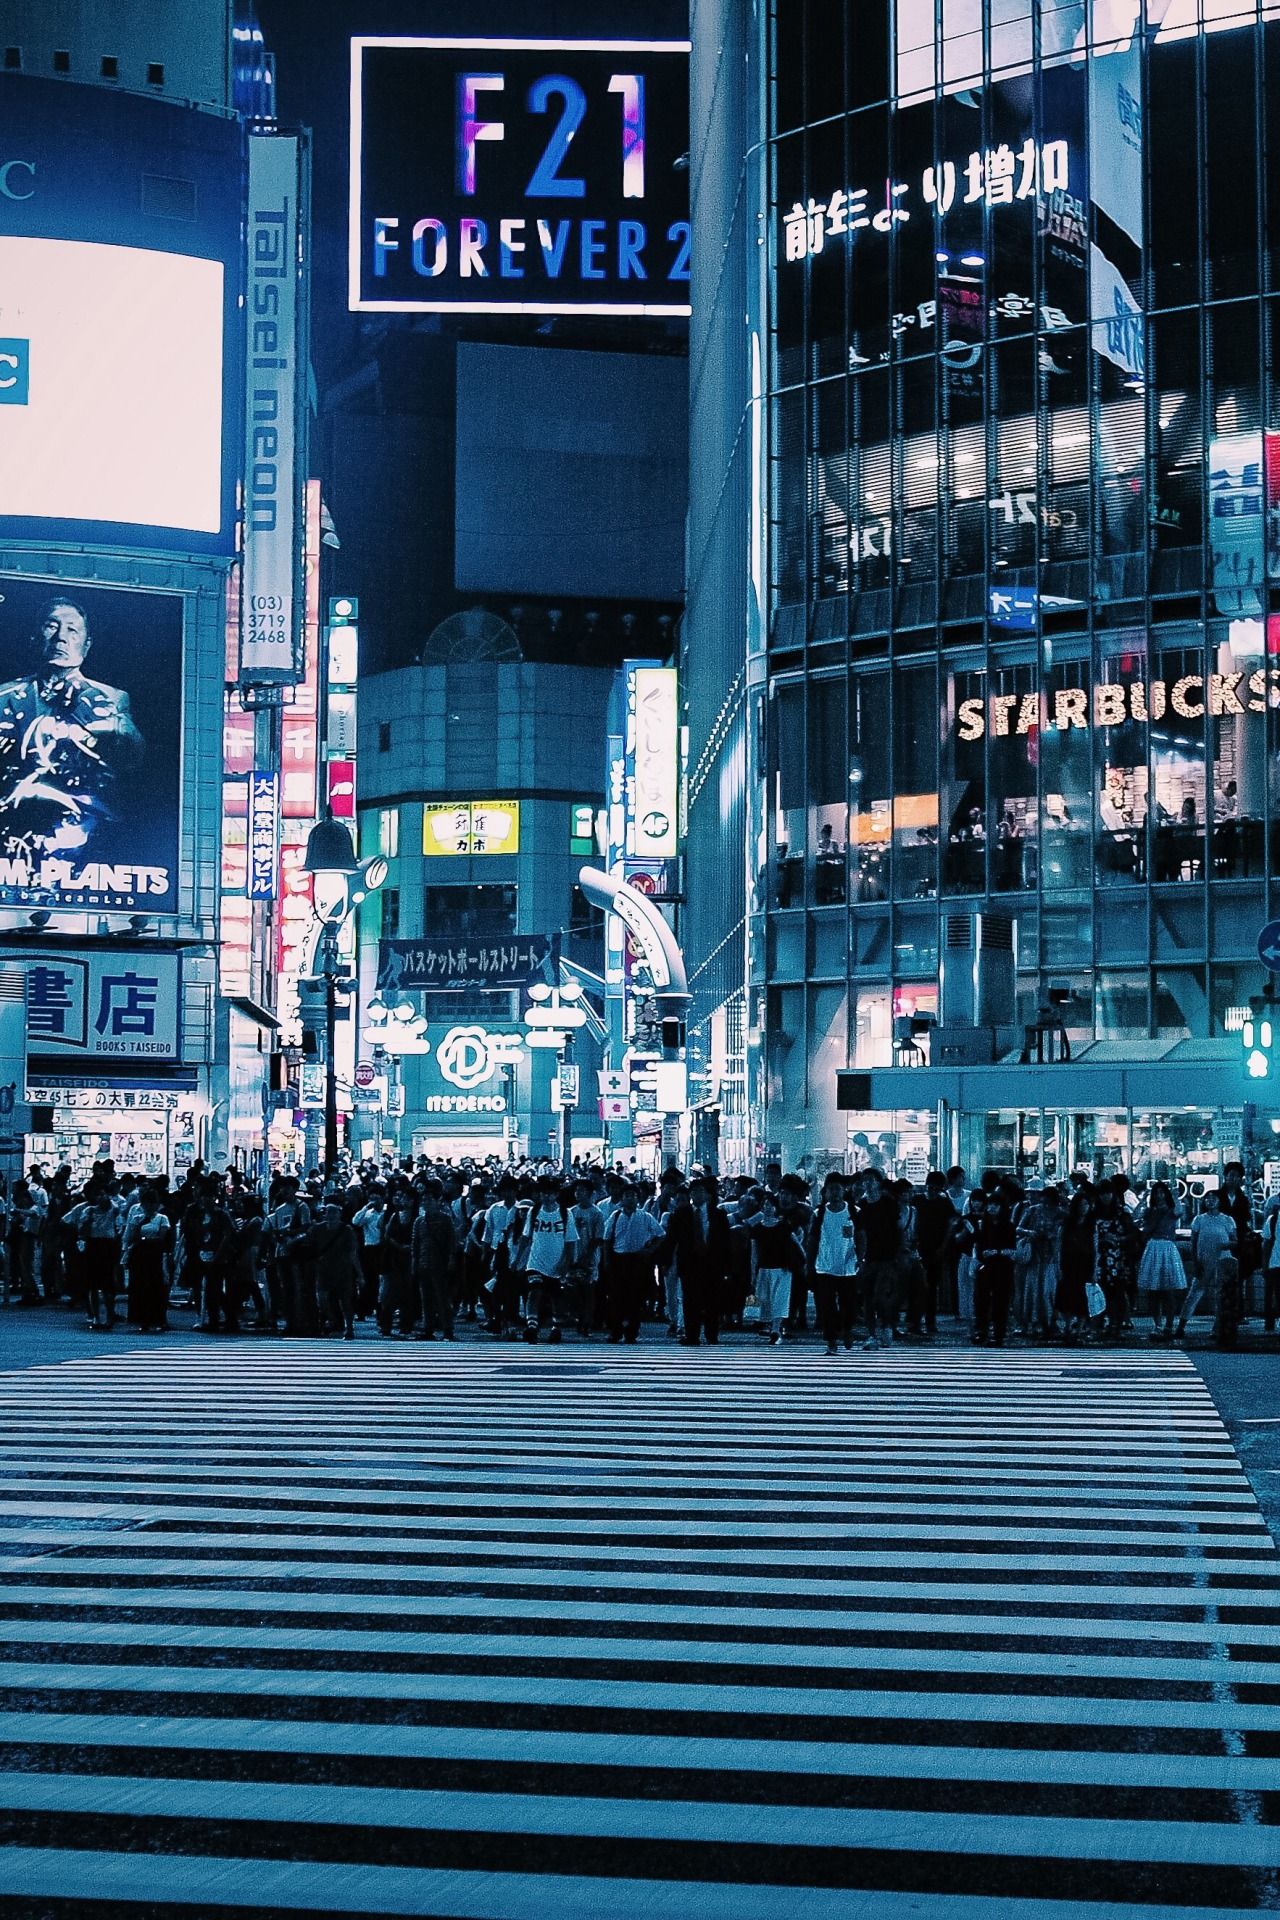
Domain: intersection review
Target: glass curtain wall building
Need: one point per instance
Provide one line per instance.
(1023, 483)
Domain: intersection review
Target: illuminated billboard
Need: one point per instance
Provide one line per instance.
(110, 385)
(471, 826)
(90, 718)
(120, 249)
(519, 176)
(274, 428)
(653, 765)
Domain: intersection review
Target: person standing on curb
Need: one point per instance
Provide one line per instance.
(833, 1264)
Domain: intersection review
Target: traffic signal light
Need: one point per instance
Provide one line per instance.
(1258, 1036)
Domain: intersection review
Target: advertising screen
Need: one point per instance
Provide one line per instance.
(519, 176)
(90, 715)
(110, 384)
(120, 243)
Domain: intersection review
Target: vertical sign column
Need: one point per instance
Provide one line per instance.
(274, 392)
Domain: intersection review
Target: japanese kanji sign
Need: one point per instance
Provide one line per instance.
(264, 834)
(446, 965)
(993, 177)
(123, 1004)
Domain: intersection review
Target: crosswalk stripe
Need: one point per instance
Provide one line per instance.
(1194, 1773)
(732, 1635)
(289, 1886)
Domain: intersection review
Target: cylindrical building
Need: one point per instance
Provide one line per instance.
(1014, 508)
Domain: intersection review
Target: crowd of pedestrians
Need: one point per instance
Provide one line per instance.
(419, 1250)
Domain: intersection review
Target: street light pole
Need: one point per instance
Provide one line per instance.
(566, 1111)
(329, 968)
(331, 861)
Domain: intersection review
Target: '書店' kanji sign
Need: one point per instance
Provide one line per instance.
(126, 1004)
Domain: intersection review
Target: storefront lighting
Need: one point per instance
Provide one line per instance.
(403, 1010)
(942, 258)
(1256, 1065)
(972, 260)
(376, 1011)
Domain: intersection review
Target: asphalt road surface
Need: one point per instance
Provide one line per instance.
(591, 1633)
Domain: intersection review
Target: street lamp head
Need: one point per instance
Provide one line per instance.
(329, 848)
(331, 861)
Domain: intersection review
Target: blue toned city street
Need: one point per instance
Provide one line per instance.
(295, 1627)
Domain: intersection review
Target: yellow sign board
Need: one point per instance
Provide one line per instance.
(464, 827)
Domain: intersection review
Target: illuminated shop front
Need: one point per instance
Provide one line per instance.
(1020, 470)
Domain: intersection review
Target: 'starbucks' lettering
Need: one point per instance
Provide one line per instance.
(1115, 704)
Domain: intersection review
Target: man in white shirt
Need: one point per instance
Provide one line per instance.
(631, 1241)
(550, 1237)
(369, 1223)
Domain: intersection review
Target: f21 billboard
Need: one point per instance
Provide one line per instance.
(90, 707)
(519, 176)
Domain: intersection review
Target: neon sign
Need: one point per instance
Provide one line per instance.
(1116, 704)
(518, 176)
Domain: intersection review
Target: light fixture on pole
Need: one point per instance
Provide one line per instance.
(331, 861)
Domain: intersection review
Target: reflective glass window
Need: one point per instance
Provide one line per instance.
(1177, 737)
(869, 785)
(1121, 763)
(828, 778)
(1013, 750)
(963, 812)
(915, 783)
(1066, 775)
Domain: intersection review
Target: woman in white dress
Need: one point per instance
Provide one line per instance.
(1162, 1278)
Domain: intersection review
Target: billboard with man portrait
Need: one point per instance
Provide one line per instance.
(90, 713)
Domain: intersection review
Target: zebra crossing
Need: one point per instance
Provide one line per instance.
(583, 1632)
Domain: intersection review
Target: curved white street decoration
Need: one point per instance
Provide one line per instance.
(642, 919)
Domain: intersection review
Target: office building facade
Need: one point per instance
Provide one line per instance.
(1012, 751)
